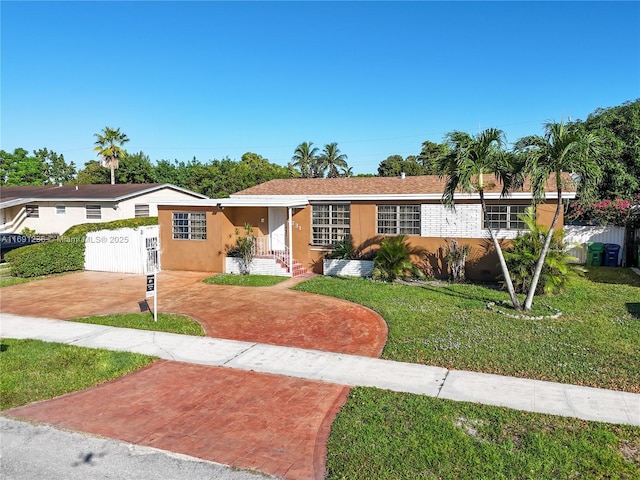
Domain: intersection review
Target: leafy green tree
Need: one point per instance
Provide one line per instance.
(136, 168)
(200, 177)
(108, 145)
(561, 149)
(394, 165)
(56, 170)
(332, 160)
(169, 172)
(470, 158)
(251, 170)
(18, 168)
(305, 158)
(93, 173)
(430, 156)
(619, 131)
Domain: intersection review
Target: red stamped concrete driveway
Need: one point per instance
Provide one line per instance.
(274, 315)
(269, 423)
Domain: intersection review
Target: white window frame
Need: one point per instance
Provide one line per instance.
(32, 211)
(400, 219)
(141, 210)
(93, 212)
(330, 223)
(61, 209)
(189, 225)
(505, 217)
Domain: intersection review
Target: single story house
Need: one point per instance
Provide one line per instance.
(299, 220)
(53, 209)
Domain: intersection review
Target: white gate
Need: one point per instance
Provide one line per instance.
(583, 234)
(125, 250)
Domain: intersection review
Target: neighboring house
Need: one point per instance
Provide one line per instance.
(53, 209)
(300, 219)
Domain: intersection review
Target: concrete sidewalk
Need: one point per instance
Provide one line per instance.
(350, 370)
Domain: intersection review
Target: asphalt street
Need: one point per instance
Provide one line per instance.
(36, 452)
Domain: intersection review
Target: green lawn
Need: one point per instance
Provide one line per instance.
(167, 322)
(245, 280)
(595, 342)
(33, 370)
(6, 280)
(385, 435)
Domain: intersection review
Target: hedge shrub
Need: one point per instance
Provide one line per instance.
(65, 254)
(45, 258)
(81, 230)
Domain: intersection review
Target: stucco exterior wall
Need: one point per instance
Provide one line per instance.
(195, 255)
(438, 225)
(257, 217)
(152, 199)
(49, 221)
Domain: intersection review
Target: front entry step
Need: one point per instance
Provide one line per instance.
(279, 258)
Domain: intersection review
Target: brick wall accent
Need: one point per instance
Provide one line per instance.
(463, 222)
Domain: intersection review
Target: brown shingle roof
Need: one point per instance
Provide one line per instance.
(427, 184)
(80, 192)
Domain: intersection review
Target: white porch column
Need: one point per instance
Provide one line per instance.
(290, 235)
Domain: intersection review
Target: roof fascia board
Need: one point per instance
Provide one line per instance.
(106, 199)
(16, 202)
(433, 196)
(156, 188)
(235, 202)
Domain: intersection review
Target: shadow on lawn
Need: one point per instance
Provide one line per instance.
(634, 310)
(613, 275)
(467, 295)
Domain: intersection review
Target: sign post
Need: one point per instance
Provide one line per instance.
(152, 280)
(151, 292)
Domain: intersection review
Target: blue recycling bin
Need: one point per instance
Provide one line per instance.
(611, 251)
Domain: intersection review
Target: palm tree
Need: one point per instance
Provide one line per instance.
(393, 259)
(468, 160)
(561, 149)
(332, 159)
(304, 157)
(347, 172)
(108, 145)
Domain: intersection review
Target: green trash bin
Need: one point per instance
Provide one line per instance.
(595, 253)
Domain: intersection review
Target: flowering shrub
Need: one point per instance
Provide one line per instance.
(606, 212)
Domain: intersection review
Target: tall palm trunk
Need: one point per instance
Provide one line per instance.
(113, 175)
(503, 264)
(543, 254)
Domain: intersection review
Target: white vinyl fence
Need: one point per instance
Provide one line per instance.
(125, 250)
(583, 234)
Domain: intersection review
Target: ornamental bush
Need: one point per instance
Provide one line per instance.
(66, 253)
(522, 257)
(344, 250)
(79, 231)
(393, 260)
(244, 248)
(55, 256)
(620, 212)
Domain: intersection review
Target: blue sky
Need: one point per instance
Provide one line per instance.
(216, 79)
